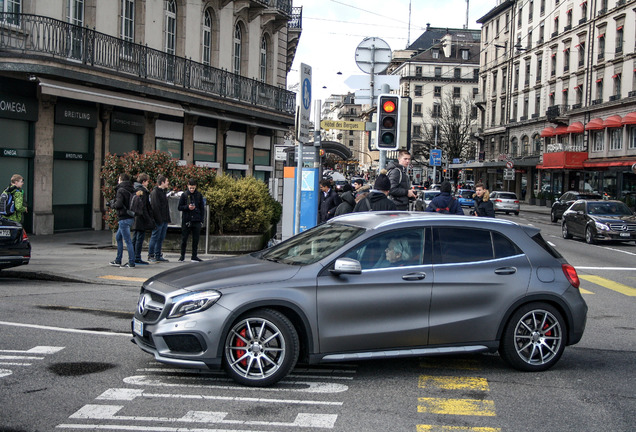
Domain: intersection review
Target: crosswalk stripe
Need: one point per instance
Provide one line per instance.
(609, 284)
(453, 383)
(470, 407)
(437, 428)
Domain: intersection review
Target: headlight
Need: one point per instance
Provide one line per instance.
(601, 226)
(193, 303)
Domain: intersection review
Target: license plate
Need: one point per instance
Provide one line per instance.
(624, 234)
(5, 233)
(138, 327)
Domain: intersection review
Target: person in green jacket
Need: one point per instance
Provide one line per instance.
(17, 181)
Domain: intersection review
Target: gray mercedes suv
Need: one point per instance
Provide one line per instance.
(367, 286)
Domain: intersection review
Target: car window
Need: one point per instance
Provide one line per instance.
(504, 247)
(393, 249)
(506, 196)
(313, 245)
(457, 245)
(566, 197)
(538, 239)
(467, 194)
(578, 206)
(608, 209)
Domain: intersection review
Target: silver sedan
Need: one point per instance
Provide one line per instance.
(367, 286)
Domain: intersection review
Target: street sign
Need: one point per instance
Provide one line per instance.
(509, 174)
(303, 122)
(362, 81)
(343, 125)
(510, 164)
(436, 157)
(373, 55)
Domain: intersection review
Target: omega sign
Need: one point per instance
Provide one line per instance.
(19, 108)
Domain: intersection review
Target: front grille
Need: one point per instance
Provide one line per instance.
(619, 227)
(150, 314)
(185, 343)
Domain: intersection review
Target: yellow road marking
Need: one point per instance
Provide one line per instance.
(614, 286)
(436, 428)
(124, 278)
(473, 407)
(437, 363)
(584, 291)
(453, 383)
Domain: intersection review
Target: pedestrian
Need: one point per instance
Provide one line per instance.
(445, 202)
(144, 220)
(329, 201)
(357, 184)
(483, 206)
(401, 191)
(192, 208)
(348, 201)
(123, 194)
(161, 216)
(378, 199)
(15, 189)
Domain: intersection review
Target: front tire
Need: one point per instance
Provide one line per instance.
(564, 231)
(553, 216)
(534, 338)
(261, 348)
(589, 236)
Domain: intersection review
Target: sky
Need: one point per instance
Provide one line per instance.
(333, 29)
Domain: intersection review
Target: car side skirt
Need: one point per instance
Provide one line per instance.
(413, 352)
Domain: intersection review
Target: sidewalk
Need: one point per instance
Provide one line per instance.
(84, 257)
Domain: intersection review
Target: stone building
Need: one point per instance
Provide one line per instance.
(202, 80)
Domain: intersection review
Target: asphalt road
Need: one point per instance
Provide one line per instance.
(67, 363)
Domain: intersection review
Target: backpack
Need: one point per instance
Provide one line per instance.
(445, 210)
(137, 204)
(7, 203)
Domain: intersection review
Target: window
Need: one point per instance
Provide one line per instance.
(503, 80)
(597, 141)
(204, 152)
(556, 26)
(475, 92)
(458, 73)
(581, 54)
(465, 55)
(584, 11)
(461, 245)
(601, 46)
(437, 91)
(553, 64)
(235, 155)
(566, 59)
(514, 147)
(418, 90)
(127, 32)
(76, 18)
(617, 85)
(435, 53)
(437, 110)
(456, 111)
(616, 138)
(171, 27)
(529, 41)
(170, 146)
(530, 10)
(438, 71)
(502, 117)
(238, 37)
(350, 143)
(393, 249)
(599, 89)
(539, 69)
(515, 110)
(527, 78)
(497, 28)
(417, 109)
(579, 94)
(541, 32)
(519, 17)
(568, 17)
(264, 59)
(494, 83)
(350, 133)
(476, 74)
(525, 142)
(619, 39)
(457, 92)
(537, 104)
(516, 76)
(11, 6)
(418, 71)
(542, 7)
(526, 104)
(632, 137)
(564, 99)
(417, 131)
(207, 38)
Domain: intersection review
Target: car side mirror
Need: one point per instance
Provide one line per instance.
(346, 266)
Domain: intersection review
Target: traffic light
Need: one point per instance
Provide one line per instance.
(388, 122)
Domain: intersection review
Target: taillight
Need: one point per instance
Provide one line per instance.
(498, 200)
(24, 235)
(517, 202)
(570, 273)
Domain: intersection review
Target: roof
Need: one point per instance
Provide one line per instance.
(433, 35)
(372, 220)
(505, 4)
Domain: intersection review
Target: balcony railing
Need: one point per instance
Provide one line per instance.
(43, 36)
(296, 21)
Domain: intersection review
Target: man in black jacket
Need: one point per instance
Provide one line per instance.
(121, 203)
(144, 221)
(193, 211)
(483, 206)
(444, 202)
(377, 200)
(161, 215)
(400, 191)
(329, 201)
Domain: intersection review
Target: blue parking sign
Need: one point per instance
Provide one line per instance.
(436, 157)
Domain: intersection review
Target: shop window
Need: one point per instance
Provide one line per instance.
(171, 146)
(204, 152)
(616, 138)
(235, 155)
(262, 157)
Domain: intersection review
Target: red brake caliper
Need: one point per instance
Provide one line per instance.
(548, 333)
(240, 343)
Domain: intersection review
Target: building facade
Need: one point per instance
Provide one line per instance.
(558, 97)
(202, 80)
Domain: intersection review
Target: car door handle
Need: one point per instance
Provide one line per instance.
(506, 270)
(414, 276)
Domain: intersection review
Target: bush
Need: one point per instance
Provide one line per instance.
(242, 206)
(153, 164)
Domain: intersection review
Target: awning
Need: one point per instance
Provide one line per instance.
(630, 118)
(609, 162)
(547, 132)
(563, 160)
(561, 130)
(594, 124)
(613, 121)
(576, 128)
(93, 94)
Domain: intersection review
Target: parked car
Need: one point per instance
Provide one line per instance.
(562, 203)
(465, 197)
(368, 285)
(599, 220)
(505, 202)
(15, 248)
(424, 198)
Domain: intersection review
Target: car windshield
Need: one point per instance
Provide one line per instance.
(507, 196)
(312, 245)
(467, 194)
(608, 209)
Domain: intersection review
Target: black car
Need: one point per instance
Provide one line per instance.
(599, 220)
(15, 249)
(562, 203)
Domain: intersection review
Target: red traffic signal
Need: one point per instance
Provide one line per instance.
(388, 122)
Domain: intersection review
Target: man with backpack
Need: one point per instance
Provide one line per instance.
(377, 199)
(400, 191)
(123, 195)
(144, 221)
(445, 203)
(12, 204)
